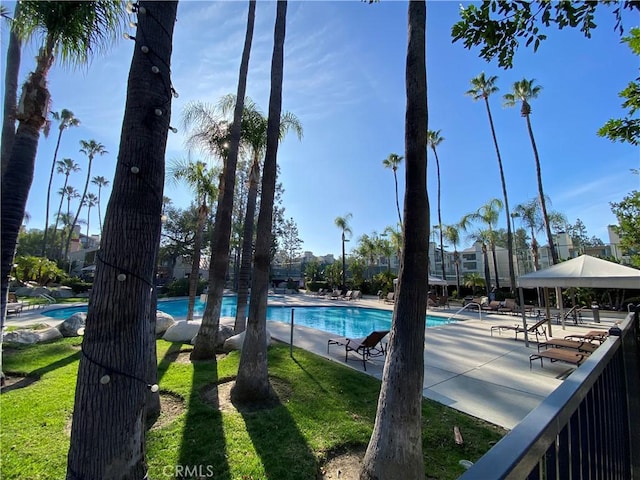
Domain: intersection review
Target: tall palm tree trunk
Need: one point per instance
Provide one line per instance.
(46, 215)
(543, 204)
(14, 54)
(107, 435)
(194, 276)
(252, 382)
(435, 153)
(55, 225)
(247, 249)
(204, 347)
(456, 259)
(495, 264)
(100, 208)
(512, 271)
(16, 182)
(395, 448)
(487, 272)
(395, 179)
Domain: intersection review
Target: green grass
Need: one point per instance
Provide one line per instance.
(326, 408)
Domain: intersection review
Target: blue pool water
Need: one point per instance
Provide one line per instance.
(342, 321)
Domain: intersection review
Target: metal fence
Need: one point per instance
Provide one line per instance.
(588, 428)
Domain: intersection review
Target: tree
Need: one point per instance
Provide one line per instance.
(205, 341)
(343, 224)
(90, 201)
(488, 214)
(252, 382)
(627, 129)
(37, 269)
(497, 25)
(522, 92)
(291, 243)
(12, 70)
(254, 136)
(395, 448)
(627, 211)
(90, 148)
(201, 180)
(100, 182)
(433, 140)
(66, 119)
(452, 236)
(483, 87)
(72, 30)
(66, 166)
(473, 280)
(113, 375)
(392, 162)
(177, 238)
(529, 215)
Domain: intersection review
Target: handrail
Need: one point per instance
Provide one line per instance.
(465, 306)
(48, 298)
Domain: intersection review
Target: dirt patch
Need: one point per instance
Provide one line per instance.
(218, 395)
(342, 465)
(13, 382)
(183, 356)
(171, 406)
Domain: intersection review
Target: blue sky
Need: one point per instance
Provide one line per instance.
(344, 79)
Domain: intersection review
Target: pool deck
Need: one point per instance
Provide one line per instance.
(465, 367)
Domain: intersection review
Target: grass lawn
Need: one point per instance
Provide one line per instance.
(325, 408)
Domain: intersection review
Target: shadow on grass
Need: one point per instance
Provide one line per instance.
(169, 357)
(309, 375)
(282, 448)
(35, 375)
(203, 447)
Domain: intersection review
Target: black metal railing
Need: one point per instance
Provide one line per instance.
(588, 428)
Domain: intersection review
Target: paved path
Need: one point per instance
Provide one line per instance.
(465, 367)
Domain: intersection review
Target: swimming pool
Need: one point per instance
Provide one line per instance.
(344, 321)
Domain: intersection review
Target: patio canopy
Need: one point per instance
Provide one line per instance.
(432, 281)
(583, 271)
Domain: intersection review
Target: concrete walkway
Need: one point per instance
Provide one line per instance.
(465, 367)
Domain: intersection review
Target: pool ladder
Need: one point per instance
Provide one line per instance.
(467, 305)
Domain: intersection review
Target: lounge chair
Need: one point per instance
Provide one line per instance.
(335, 295)
(357, 295)
(581, 346)
(559, 355)
(367, 347)
(508, 306)
(575, 313)
(591, 336)
(493, 306)
(390, 298)
(537, 328)
(443, 301)
(14, 308)
(348, 295)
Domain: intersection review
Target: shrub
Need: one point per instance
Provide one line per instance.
(180, 287)
(77, 284)
(314, 286)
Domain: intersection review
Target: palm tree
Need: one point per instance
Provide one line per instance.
(90, 148)
(433, 140)
(204, 347)
(452, 234)
(119, 326)
(254, 136)
(100, 181)
(72, 31)
(524, 91)
(395, 444)
(392, 162)
(529, 215)
(71, 194)
(343, 224)
(66, 119)
(12, 70)
(473, 280)
(202, 182)
(66, 166)
(90, 201)
(483, 87)
(367, 249)
(252, 382)
(483, 238)
(489, 214)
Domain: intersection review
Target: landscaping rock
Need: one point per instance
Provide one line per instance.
(39, 291)
(182, 331)
(62, 292)
(24, 291)
(224, 332)
(70, 327)
(49, 334)
(26, 337)
(235, 342)
(163, 322)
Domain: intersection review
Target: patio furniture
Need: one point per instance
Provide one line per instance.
(559, 355)
(581, 346)
(591, 336)
(537, 329)
(367, 347)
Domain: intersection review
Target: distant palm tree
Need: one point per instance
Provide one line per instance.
(201, 180)
(90, 201)
(100, 181)
(524, 91)
(71, 194)
(488, 214)
(433, 140)
(396, 240)
(483, 237)
(66, 119)
(66, 166)
(473, 280)
(392, 162)
(483, 87)
(452, 235)
(90, 148)
(343, 224)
